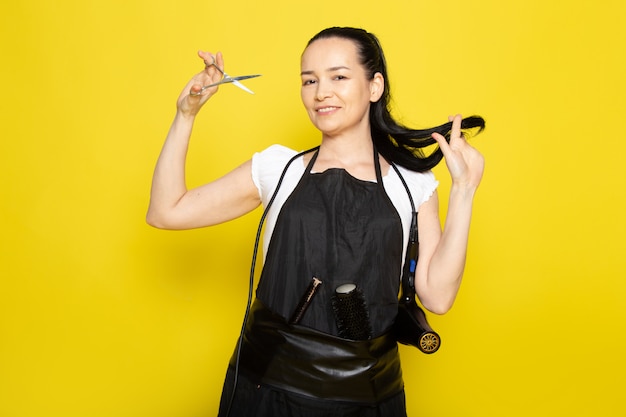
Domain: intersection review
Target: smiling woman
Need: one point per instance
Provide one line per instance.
(339, 217)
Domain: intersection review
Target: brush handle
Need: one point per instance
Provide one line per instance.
(305, 301)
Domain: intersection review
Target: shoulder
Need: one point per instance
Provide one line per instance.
(421, 184)
(273, 155)
(270, 162)
(268, 165)
(418, 178)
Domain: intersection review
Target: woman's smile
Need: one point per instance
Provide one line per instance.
(326, 110)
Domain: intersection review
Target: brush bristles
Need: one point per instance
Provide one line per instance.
(351, 315)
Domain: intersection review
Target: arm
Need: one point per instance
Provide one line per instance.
(172, 205)
(442, 254)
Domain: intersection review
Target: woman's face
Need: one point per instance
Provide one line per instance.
(335, 89)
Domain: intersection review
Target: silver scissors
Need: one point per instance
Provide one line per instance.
(228, 79)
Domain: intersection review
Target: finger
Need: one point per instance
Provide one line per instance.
(207, 57)
(442, 142)
(456, 126)
(219, 60)
(209, 63)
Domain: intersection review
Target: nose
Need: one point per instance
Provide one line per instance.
(323, 91)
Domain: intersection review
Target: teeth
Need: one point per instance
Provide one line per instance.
(326, 109)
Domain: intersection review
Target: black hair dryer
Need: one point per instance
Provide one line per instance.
(411, 326)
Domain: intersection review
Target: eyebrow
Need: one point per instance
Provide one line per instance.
(331, 69)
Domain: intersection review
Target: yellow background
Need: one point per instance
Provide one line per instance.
(101, 315)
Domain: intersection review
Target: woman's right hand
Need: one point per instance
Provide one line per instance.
(193, 97)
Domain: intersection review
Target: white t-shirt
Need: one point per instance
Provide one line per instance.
(268, 165)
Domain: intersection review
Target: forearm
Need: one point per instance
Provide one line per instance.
(445, 270)
(168, 181)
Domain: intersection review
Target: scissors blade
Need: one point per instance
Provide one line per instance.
(235, 81)
(243, 87)
(244, 77)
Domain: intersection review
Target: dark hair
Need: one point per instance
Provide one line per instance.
(395, 142)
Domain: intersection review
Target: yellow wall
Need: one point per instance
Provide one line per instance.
(101, 315)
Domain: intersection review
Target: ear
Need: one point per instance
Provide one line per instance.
(377, 87)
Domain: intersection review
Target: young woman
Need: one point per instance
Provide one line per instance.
(341, 215)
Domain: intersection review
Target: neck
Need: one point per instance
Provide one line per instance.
(355, 156)
(348, 149)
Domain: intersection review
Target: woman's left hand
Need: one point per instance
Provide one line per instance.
(464, 162)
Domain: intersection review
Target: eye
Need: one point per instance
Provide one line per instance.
(308, 82)
(340, 77)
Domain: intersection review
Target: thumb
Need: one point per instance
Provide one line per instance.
(195, 91)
